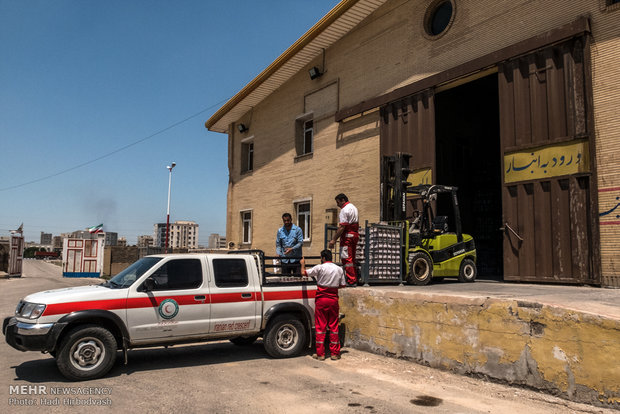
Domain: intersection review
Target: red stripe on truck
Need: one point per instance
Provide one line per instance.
(153, 302)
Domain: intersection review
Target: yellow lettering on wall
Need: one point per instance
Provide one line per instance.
(423, 176)
(549, 161)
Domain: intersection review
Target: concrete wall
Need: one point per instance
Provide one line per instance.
(569, 353)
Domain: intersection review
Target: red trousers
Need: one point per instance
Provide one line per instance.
(326, 317)
(348, 245)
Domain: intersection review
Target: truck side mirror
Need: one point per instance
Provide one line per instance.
(148, 285)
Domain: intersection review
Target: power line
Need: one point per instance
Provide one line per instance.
(161, 131)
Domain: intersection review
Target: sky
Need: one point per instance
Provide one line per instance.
(97, 98)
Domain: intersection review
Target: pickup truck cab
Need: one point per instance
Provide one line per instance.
(165, 300)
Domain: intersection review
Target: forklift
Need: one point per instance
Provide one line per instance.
(430, 249)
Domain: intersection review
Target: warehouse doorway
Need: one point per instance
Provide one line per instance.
(468, 155)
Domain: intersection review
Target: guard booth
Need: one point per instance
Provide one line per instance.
(16, 255)
(83, 257)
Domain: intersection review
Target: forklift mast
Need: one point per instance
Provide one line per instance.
(395, 170)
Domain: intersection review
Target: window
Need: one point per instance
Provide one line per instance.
(304, 135)
(303, 218)
(230, 272)
(438, 17)
(247, 156)
(246, 221)
(178, 274)
(90, 248)
(308, 136)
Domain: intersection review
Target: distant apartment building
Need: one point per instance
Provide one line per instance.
(216, 241)
(111, 238)
(159, 235)
(183, 234)
(121, 241)
(146, 241)
(46, 238)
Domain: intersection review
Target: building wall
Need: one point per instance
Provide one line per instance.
(279, 179)
(606, 97)
(386, 51)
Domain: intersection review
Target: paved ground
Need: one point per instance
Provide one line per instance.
(222, 378)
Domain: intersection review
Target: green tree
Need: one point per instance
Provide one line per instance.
(29, 252)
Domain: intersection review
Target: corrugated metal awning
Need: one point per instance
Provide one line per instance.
(335, 24)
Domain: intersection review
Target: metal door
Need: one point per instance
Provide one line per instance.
(408, 126)
(549, 214)
(16, 255)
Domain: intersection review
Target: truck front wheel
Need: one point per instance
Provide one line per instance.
(285, 337)
(87, 352)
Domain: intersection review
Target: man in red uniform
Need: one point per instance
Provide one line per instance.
(348, 227)
(329, 277)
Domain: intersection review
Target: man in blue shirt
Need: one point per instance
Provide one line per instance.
(289, 240)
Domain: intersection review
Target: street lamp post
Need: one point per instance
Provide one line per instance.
(169, 167)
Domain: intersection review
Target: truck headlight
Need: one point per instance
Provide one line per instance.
(30, 310)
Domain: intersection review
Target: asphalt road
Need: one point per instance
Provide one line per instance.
(220, 377)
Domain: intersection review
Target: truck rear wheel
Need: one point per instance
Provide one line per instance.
(285, 337)
(468, 271)
(87, 352)
(420, 269)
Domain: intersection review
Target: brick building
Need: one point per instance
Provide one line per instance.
(514, 102)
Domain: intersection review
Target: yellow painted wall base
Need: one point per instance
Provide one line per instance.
(561, 351)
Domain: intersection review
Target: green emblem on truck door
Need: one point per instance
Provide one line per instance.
(168, 309)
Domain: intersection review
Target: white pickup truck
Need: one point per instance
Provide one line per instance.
(165, 300)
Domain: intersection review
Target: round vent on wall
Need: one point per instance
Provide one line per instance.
(438, 18)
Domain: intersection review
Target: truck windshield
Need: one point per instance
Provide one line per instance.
(126, 278)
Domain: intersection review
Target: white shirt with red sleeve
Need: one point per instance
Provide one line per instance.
(327, 275)
(348, 214)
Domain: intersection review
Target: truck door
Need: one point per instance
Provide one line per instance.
(235, 295)
(177, 304)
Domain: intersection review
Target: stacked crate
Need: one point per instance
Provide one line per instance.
(379, 253)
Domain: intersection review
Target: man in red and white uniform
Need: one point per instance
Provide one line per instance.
(348, 232)
(329, 278)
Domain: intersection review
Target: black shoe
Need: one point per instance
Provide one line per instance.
(351, 284)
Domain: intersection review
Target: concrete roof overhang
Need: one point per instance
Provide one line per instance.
(334, 25)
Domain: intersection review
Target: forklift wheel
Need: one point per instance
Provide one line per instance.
(468, 271)
(420, 269)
